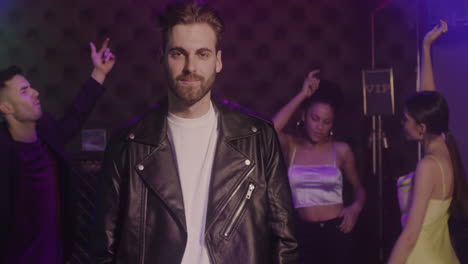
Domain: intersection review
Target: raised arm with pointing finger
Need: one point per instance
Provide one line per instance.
(36, 192)
(282, 117)
(103, 61)
(427, 75)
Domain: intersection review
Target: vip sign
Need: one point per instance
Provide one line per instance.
(378, 92)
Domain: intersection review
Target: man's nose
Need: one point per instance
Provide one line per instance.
(190, 64)
(35, 93)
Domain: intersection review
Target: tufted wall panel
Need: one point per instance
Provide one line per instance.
(268, 48)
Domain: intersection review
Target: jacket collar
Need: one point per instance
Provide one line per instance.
(152, 127)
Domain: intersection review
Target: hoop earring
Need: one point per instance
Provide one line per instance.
(299, 124)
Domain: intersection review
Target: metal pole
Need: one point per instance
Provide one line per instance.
(373, 39)
(418, 62)
(377, 152)
(380, 185)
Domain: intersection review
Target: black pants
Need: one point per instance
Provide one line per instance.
(323, 243)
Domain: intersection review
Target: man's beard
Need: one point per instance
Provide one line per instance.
(191, 94)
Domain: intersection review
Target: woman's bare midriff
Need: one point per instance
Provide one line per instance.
(319, 212)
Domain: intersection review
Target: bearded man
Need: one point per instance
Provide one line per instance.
(196, 179)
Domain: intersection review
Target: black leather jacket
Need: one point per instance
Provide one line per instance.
(140, 216)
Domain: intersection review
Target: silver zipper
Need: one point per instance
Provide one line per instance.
(239, 210)
(250, 191)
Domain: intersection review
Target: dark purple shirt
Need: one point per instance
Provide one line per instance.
(35, 236)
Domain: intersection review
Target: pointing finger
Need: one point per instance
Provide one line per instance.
(105, 44)
(444, 25)
(313, 73)
(93, 47)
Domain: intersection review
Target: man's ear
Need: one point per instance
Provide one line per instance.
(5, 108)
(219, 61)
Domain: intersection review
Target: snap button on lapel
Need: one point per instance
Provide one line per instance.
(131, 136)
(254, 129)
(140, 167)
(247, 162)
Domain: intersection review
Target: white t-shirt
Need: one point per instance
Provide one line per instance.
(194, 144)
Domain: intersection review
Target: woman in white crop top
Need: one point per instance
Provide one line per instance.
(317, 164)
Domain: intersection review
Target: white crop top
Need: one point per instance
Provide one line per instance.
(313, 185)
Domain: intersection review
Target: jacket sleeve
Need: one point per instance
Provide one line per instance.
(81, 108)
(281, 208)
(105, 235)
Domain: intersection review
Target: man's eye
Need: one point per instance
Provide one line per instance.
(204, 54)
(175, 54)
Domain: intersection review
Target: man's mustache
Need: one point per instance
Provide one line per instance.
(189, 77)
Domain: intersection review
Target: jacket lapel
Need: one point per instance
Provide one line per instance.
(230, 166)
(160, 175)
(158, 168)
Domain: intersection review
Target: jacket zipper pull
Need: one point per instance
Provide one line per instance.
(250, 191)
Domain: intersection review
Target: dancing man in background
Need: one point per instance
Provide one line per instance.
(35, 194)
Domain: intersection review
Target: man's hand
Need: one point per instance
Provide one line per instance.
(103, 61)
(435, 33)
(311, 84)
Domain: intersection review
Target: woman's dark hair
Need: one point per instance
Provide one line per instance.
(431, 109)
(328, 92)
